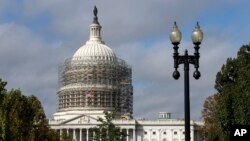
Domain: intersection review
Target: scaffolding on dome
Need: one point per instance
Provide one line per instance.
(87, 83)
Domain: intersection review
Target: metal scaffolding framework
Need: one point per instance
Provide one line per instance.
(95, 83)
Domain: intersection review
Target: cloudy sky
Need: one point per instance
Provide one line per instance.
(37, 35)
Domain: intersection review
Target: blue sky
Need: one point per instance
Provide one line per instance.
(37, 35)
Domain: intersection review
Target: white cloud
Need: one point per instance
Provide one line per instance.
(29, 63)
(123, 21)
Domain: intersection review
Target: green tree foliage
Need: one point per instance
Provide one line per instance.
(66, 137)
(22, 118)
(230, 105)
(107, 131)
(2, 94)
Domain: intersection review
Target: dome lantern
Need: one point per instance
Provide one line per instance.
(95, 48)
(95, 29)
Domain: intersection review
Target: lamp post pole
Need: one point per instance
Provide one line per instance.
(175, 37)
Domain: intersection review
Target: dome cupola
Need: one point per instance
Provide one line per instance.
(95, 48)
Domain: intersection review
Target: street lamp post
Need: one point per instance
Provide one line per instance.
(175, 37)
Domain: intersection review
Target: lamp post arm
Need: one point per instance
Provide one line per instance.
(196, 55)
(176, 56)
(196, 73)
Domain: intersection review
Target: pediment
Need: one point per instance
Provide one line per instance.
(82, 119)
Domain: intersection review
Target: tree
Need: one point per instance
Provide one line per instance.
(210, 130)
(107, 131)
(230, 105)
(66, 137)
(2, 94)
(22, 117)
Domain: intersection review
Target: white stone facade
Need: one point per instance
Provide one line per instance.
(79, 126)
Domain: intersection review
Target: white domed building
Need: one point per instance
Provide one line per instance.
(95, 80)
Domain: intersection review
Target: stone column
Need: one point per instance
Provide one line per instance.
(74, 134)
(171, 134)
(127, 134)
(60, 130)
(150, 134)
(93, 134)
(180, 134)
(80, 134)
(134, 135)
(120, 131)
(192, 134)
(159, 130)
(87, 134)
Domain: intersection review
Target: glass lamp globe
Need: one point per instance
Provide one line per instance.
(175, 34)
(197, 35)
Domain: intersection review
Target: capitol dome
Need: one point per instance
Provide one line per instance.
(95, 51)
(94, 79)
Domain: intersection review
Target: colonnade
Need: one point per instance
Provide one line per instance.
(87, 134)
